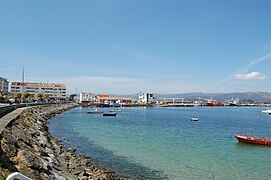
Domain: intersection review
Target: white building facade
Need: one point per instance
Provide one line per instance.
(3, 84)
(86, 97)
(53, 90)
(146, 98)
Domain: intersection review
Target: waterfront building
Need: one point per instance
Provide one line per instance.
(85, 97)
(117, 100)
(170, 100)
(53, 90)
(105, 99)
(3, 84)
(146, 98)
(101, 95)
(73, 97)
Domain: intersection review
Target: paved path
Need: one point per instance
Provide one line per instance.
(9, 117)
(3, 105)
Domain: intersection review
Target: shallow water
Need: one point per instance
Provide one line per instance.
(152, 143)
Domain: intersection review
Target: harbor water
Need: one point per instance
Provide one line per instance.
(163, 143)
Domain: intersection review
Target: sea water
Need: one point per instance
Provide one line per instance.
(163, 143)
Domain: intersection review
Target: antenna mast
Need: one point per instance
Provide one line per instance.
(23, 82)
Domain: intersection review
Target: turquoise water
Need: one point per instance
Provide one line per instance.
(153, 143)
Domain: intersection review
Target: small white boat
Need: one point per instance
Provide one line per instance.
(194, 119)
(115, 110)
(267, 111)
(96, 111)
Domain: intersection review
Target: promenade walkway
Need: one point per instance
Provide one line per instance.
(9, 117)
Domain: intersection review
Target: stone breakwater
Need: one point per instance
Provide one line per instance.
(27, 147)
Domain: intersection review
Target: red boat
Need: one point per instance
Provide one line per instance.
(253, 139)
(213, 103)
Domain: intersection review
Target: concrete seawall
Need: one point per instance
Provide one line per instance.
(4, 121)
(5, 110)
(27, 147)
(9, 108)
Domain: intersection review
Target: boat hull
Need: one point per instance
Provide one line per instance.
(232, 104)
(194, 119)
(213, 104)
(253, 140)
(109, 114)
(268, 111)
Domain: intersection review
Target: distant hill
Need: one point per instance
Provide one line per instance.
(254, 96)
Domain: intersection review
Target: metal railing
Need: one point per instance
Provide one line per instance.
(17, 175)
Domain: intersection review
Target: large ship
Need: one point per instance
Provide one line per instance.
(235, 102)
(213, 103)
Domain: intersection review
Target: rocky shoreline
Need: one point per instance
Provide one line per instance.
(27, 147)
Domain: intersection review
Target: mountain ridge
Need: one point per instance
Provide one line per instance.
(254, 96)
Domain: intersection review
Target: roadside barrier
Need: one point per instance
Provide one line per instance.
(17, 175)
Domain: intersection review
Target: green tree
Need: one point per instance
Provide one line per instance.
(4, 93)
(45, 96)
(26, 95)
(40, 95)
(19, 95)
(32, 96)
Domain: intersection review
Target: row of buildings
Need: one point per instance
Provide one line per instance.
(60, 91)
(52, 89)
(144, 98)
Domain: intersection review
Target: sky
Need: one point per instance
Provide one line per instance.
(132, 46)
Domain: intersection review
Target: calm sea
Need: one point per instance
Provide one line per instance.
(162, 143)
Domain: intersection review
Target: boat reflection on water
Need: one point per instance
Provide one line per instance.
(109, 105)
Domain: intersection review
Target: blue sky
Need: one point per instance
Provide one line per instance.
(128, 46)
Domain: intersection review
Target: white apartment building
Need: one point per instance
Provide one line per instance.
(146, 98)
(86, 97)
(3, 84)
(53, 90)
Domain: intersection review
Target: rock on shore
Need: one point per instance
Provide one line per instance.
(27, 147)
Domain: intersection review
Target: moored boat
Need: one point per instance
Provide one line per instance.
(96, 111)
(109, 114)
(253, 139)
(194, 119)
(197, 103)
(235, 102)
(213, 103)
(115, 110)
(267, 111)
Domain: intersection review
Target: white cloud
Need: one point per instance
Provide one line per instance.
(242, 74)
(250, 76)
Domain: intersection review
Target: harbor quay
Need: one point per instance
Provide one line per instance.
(190, 104)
